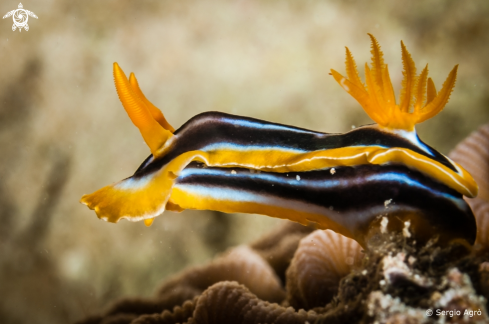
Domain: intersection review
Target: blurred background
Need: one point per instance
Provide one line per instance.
(64, 133)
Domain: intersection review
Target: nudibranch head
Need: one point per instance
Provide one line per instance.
(419, 100)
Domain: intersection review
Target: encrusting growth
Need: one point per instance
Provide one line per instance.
(418, 102)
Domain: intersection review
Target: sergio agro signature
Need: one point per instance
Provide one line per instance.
(20, 17)
(454, 312)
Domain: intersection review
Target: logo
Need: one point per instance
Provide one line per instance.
(20, 16)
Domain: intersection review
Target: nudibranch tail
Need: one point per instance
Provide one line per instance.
(153, 133)
(378, 100)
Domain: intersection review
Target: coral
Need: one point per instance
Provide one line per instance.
(240, 264)
(322, 259)
(473, 155)
(396, 281)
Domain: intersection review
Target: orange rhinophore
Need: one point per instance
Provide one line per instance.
(141, 111)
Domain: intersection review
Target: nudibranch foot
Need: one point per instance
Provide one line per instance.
(348, 201)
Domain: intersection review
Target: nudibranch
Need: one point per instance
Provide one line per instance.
(343, 182)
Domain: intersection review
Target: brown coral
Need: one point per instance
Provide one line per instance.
(396, 283)
(240, 264)
(321, 261)
(473, 154)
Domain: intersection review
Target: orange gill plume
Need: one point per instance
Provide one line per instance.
(473, 154)
(418, 101)
(322, 259)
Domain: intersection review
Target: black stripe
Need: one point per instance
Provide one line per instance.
(215, 127)
(356, 195)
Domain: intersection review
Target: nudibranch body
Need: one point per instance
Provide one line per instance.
(338, 181)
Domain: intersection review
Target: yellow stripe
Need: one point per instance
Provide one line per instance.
(285, 161)
(191, 200)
